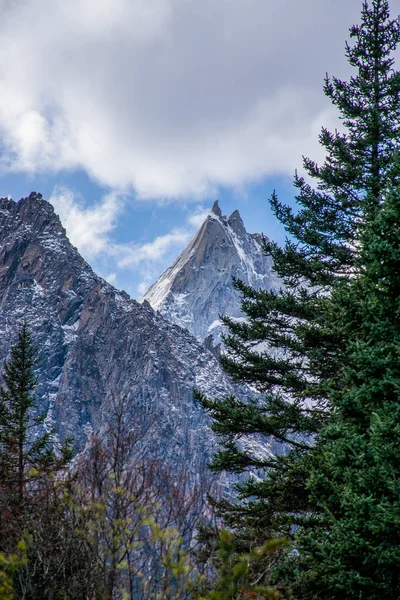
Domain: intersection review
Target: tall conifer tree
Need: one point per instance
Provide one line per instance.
(26, 453)
(305, 336)
(352, 549)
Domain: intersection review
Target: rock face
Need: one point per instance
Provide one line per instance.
(96, 343)
(198, 287)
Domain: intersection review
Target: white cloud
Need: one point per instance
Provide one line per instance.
(111, 278)
(150, 259)
(197, 218)
(169, 97)
(88, 228)
(155, 250)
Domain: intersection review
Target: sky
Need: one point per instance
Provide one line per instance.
(132, 116)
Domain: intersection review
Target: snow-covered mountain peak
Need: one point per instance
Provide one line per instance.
(198, 287)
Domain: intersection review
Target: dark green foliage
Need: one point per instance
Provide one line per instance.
(354, 552)
(323, 352)
(33, 490)
(26, 451)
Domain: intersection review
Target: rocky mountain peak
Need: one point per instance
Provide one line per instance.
(32, 210)
(236, 222)
(216, 209)
(198, 287)
(35, 250)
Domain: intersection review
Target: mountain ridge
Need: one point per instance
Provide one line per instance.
(96, 343)
(197, 288)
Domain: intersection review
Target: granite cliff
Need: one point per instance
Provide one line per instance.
(96, 343)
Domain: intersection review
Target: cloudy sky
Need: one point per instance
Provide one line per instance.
(133, 116)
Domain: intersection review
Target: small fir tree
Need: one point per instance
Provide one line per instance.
(27, 454)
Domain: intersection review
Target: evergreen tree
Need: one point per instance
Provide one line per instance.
(353, 549)
(307, 330)
(27, 455)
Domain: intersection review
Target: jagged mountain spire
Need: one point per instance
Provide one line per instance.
(236, 222)
(198, 288)
(216, 209)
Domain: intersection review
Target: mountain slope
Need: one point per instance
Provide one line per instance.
(198, 287)
(97, 344)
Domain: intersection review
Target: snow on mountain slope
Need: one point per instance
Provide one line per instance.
(198, 287)
(96, 344)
